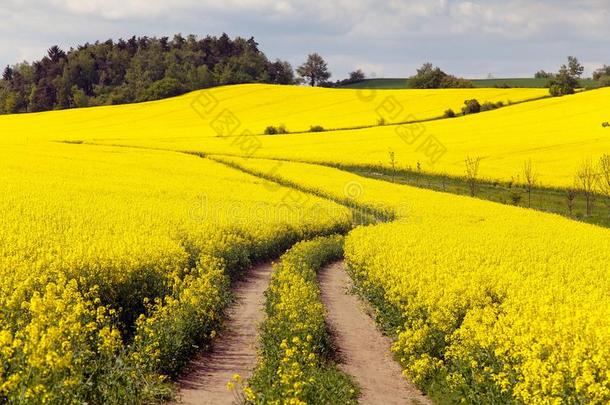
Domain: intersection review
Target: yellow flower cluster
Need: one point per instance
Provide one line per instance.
(115, 263)
(294, 367)
(496, 303)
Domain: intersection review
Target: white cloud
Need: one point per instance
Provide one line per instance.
(388, 37)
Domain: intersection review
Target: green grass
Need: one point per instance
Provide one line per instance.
(542, 199)
(402, 83)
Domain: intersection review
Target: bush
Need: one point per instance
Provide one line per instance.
(471, 107)
(316, 128)
(556, 90)
(486, 106)
(563, 84)
(449, 113)
(453, 82)
(271, 130)
(431, 77)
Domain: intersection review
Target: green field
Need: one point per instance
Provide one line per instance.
(402, 83)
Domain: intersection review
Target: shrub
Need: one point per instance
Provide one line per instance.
(562, 84)
(453, 82)
(471, 107)
(431, 77)
(486, 106)
(557, 90)
(449, 113)
(316, 128)
(271, 130)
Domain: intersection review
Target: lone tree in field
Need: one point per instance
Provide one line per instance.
(472, 173)
(575, 68)
(314, 70)
(586, 180)
(531, 178)
(566, 80)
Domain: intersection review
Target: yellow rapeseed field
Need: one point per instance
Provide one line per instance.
(250, 107)
(495, 303)
(117, 249)
(114, 262)
(556, 134)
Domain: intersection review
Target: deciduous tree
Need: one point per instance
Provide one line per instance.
(314, 70)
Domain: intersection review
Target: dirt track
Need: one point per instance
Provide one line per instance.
(364, 352)
(234, 351)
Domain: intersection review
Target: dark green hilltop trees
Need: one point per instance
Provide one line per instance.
(137, 69)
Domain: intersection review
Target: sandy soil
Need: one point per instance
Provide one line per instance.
(364, 352)
(234, 351)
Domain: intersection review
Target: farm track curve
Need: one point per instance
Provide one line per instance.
(363, 351)
(234, 350)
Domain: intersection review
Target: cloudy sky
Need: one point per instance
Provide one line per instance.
(385, 38)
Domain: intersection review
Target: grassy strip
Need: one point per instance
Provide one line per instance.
(545, 199)
(542, 198)
(295, 363)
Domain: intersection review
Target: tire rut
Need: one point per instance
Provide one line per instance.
(363, 351)
(234, 350)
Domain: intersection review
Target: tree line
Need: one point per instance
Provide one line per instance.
(149, 68)
(133, 70)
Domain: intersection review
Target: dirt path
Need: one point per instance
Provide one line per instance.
(235, 350)
(364, 352)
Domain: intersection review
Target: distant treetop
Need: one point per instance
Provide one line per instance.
(430, 77)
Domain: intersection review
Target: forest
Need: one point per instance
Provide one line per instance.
(134, 70)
